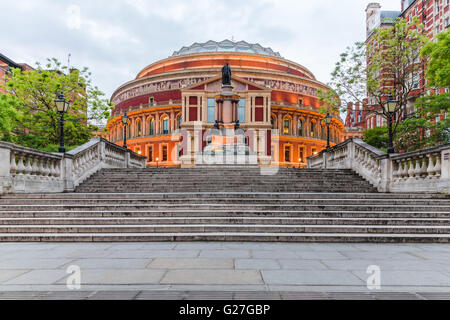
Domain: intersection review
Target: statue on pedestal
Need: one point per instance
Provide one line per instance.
(226, 75)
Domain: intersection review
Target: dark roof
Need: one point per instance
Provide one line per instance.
(10, 62)
(389, 16)
(226, 45)
(410, 2)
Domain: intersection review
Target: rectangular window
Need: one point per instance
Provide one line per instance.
(164, 153)
(287, 154)
(150, 154)
(416, 80)
(300, 102)
(301, 154)
(211, 110)
(241, 110)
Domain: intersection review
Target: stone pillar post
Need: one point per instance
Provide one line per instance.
(5, 170)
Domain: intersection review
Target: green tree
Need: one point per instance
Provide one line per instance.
(438, 55)
(413, 134)
(388, 64)
(377, 137)
(434, 105)
(36, 90)
(9, 117)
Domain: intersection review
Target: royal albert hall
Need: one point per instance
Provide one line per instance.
(173, 102)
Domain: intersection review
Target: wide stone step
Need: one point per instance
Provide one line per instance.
(224, 220)
(230, 200)
(224, 228)
(216, 206)
(225, 236)
(220, 195)
(223, 213)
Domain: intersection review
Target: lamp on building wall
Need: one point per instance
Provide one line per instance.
(328, 122)
(390, 107)
(62, 105)
(157, 159)
(125, 120)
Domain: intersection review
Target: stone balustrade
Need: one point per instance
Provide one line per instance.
(27, 170)
(419, 171)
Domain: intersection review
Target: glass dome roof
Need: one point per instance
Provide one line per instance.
(226, 45)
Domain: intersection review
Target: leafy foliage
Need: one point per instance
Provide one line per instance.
(377, 137)
(35, 92)
(438, 53)
(386, 65)
(9, 117)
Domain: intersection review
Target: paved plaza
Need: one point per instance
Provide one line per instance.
(263, 268)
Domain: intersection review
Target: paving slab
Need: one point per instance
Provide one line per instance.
(193, 263)
(120, 276)
(6, 275)
(273, 254)
(225, 254)
(380, 255)
(146, 253)
(37, 277)
(393, 265)
(256, 264)
(310, 277)
(110, 263)
(318, 255)
(410, 278)
(33, 263)
(301, 264)
(206, 276)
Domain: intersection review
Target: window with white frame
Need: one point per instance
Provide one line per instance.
(416, 81)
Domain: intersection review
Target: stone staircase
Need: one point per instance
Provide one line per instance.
(225, 204)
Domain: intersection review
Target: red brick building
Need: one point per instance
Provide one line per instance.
(435, 16)
(5, 66)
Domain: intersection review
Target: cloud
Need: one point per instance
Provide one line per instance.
(73, 17)
(116, 39)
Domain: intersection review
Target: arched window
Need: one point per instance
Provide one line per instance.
(138, 128)
(312, 129)
(151, 127)
(129, 130)
(165, 124)
(300, 128)
(286, 126)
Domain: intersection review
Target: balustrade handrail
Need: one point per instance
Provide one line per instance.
(17, 148)
(421, 152)
(425, 170)
(28, 170)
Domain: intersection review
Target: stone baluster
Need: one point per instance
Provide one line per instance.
(13, 163)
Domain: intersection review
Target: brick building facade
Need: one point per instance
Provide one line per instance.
(435, 16)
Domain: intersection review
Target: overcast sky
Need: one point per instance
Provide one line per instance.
(115, 39)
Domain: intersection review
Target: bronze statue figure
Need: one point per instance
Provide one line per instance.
(226, 75)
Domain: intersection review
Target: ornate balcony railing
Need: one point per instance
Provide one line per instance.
(27, 170)
(419, 171)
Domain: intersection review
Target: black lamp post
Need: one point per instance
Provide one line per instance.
(390, 107)
(62, 106)
(125, 120)
(328, 122)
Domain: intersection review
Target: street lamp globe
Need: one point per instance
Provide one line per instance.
(61, 103)
(328, 118)
(125, 119)
(391, 105)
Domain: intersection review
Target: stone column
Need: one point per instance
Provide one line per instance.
(5, 170)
